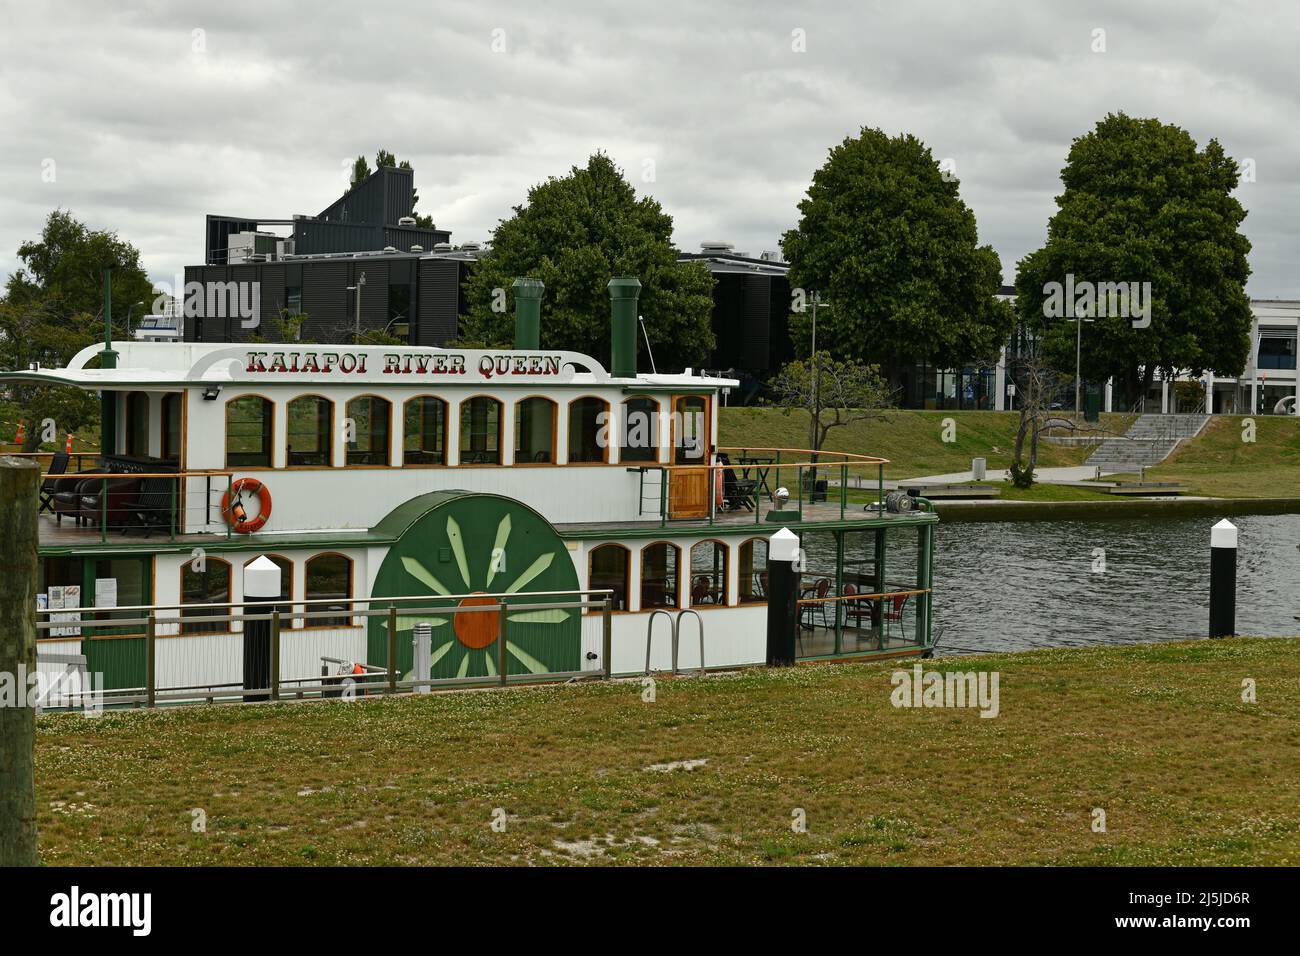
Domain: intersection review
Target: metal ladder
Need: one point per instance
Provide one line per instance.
(676, 633)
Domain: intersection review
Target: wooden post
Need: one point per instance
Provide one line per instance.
(19, 486)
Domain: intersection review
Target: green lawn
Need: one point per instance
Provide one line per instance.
(1219, 462)
(913, 441)
(1157, 736)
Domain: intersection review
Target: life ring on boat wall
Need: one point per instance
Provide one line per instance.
(233, 510)
(719, 490)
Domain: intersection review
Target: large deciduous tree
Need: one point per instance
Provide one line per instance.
(884, 237)
(1143, 204)
(575, 233)
(53, 307)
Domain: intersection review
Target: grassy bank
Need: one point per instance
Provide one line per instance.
(1155, 735)
(1219, 462)
(911, 440)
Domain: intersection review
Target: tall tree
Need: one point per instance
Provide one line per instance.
(575, 233)
(360, 170)
(53, 307)
(1143, 204)
(885, 238)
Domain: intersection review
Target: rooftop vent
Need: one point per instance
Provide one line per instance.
(388, 249)
(715, 246)
(771, 255)
(417, 248)
(442, 247)
(470, 246)
(406, 221)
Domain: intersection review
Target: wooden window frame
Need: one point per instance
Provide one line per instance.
(726, 575)
(569, 408)
(446, 430)
(463, 405)
(388, 451)
(329, 444)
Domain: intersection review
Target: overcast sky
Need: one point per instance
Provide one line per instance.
(148, 117)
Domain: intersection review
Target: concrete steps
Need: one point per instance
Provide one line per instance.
(1150, 440)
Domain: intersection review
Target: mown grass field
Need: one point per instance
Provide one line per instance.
(911, 440)
(1220, 463)
(1157, 736)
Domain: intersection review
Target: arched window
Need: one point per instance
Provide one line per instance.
(328, 576)
(480, 431)
(310, 432)
(607, 567)
(137, 424)
(424, 436)
(588, 430)
(209, 586)
(370, 417)
(753, 571)
(659, 570)
(534, 431)
(285, 597)
(249, 423)
(171, 426)
(690, 430)
(709, 574)
(639, 429)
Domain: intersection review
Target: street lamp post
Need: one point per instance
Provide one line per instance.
(361, 281)
(1078, 365)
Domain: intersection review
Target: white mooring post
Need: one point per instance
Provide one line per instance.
(261, 583)
(1223, 579)
(782, 597)
(421, 640)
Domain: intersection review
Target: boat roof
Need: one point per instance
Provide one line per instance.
(157, 365)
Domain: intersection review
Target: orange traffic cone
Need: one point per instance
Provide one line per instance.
(22, 436)
(67, 445)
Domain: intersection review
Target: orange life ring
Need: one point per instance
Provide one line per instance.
(719, 482)
(235, 513)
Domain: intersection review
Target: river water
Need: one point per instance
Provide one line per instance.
(1016, 585)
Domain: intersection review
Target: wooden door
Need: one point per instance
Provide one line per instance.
(688, 493)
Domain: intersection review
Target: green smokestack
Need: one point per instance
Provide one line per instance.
(623, 294)
(528, 312)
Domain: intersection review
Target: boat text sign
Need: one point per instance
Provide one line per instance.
(378, 364)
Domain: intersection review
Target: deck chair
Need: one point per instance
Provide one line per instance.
(153, 506)
(894, 612)
(58, 466)
(737, 492)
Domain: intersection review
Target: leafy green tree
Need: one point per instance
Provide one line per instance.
(53, 307)
(889, 244)
(1143, 204)
(575, 233)
(360, 170)
(833, 392)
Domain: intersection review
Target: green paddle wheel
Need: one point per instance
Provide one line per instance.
(463, 543)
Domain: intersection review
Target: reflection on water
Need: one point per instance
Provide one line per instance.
(1015, 585)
